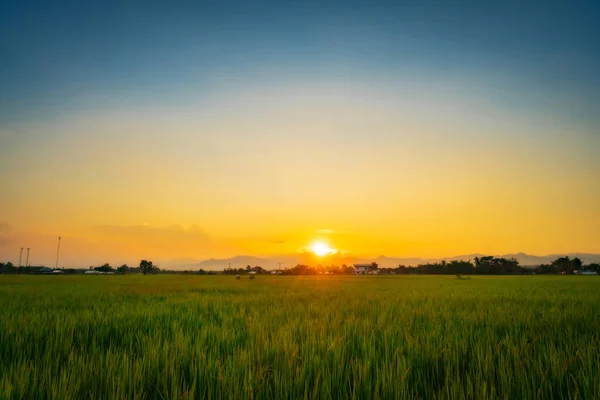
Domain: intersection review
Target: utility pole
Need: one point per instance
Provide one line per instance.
(27, 262)
(20, 256)
(57, 253)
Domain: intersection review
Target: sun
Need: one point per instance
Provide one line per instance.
(321, 249)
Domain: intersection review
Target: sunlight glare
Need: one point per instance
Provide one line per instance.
(321, 249)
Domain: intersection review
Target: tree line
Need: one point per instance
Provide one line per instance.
(257, 269)
(146, 267)
(490, 265)
(487, 265)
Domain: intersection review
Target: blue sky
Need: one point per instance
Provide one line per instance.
(59, 56)
(404, 129)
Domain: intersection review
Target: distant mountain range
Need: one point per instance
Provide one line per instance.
(289, 260)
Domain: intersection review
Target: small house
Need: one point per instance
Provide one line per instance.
(364, 269)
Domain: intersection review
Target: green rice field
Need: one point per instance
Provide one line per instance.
(287, 337)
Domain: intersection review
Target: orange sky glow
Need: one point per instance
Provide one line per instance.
(269, 170)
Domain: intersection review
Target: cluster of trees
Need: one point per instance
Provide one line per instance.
(484, 265)
(566, 265)
(302, 269)
(10, 268)
(240, 271)
(123, 269)
(146, 267)
(187, 272)
(490, 265)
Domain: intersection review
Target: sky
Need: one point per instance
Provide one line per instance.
(212, 129)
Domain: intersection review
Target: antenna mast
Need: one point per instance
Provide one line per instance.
(57, 253)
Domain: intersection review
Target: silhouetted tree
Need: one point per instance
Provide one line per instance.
(7, 268)
(403, 269)
(147, 267)
(594, 267)
(259, 270)
(123, 269)
(460, 267)
(105, 268)
(483, 265)
(564, 265)
(374, 266)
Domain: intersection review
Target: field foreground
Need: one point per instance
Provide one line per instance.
(166, 336)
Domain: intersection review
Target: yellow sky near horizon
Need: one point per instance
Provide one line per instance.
(268, 170)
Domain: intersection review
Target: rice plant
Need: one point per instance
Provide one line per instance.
(187, 337)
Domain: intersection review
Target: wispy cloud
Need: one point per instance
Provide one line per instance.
(325, 231)
(263, 239)
(328, 231)
(148, 232)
